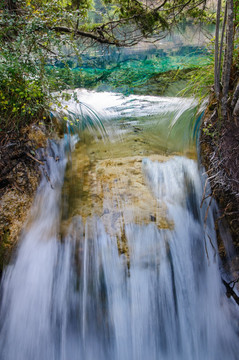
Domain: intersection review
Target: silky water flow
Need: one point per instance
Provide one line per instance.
(118, 261)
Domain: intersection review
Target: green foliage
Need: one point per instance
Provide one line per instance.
(34, 33)
(22, 88)
(209, 130)
(21, 98)
(200, 80)
(27, 42)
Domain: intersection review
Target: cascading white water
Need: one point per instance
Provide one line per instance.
(77, 297)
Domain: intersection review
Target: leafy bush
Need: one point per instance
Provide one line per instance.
(27, 42)
(22, 94)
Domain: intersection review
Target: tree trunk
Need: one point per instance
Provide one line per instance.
(11, 5)
(216, 67)
(222, 40)
(236, 111)
(235, 96)
(227, 58)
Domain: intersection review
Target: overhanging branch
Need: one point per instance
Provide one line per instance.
(99, 38)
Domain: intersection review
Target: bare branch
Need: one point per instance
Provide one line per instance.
(230, 291)
(96, 37)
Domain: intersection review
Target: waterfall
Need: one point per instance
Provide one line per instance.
(122, 281)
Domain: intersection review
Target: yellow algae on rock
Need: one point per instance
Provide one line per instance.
(113, 189)
(126, 196)
(15, 206)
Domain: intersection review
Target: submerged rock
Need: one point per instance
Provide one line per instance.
(113, 189)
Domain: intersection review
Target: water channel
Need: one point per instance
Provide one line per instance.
(119, 260)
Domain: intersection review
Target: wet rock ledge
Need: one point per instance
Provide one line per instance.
(19, 178)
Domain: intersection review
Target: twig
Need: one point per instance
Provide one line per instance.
(215, 251)
(48, 177)
(205, 243)
(17, 187)
(233, 282)
(204, 191)
(230, 292)
(33, 158)
(206, 215)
